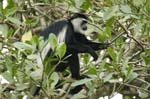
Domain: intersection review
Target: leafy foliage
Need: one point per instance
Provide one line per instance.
(124, 67)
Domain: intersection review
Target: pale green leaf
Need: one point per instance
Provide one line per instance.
(143, 94)
(138, 2)
(21, 86)
(53, 41)
(80, 82)
(55, 78)
(10, 11)
(79, 96)
(14, 20)
(61, 50)
(22, 46)
(108, 77)
(4, 30)
(125, 9)
(112, 53)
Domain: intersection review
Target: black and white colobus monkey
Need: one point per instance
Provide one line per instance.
(71, 32)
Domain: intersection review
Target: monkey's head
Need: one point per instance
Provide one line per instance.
(79, 22)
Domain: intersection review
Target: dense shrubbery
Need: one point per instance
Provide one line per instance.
(127, 71)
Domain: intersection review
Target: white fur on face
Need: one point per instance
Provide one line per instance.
(77, 25)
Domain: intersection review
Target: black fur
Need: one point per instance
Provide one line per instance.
(75, 42)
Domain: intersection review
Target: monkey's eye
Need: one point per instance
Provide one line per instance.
(83, 25)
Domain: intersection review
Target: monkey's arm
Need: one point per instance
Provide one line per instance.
(81, 48)
(98, 46)
(94, 45)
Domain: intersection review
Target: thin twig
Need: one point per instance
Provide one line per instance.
(131, 37)
(113, 40)
(128, 33)
(133, 86)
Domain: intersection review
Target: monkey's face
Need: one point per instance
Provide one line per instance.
(79, 25)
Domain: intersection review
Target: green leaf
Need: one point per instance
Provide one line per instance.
(110, 22)
(92, 70)
(108, 32)
(110, 12)
(137, 28)
(143, 94)
(55, 78)
(108, 77)
(21, 86)
(78, 3)
(8, 76)
(138, 2)
(146, 59)
(10, 65)
(32, 56)
(23, 46)
(36, 40)
(120, 54)
(80, 82)
(10, 11)
(32, 22)
(112, 53)
(147, 5)
(86, 59)
(130, 70)
(36, 75)
(87, 4)
(14, 20)
(11, 3)
(105, 35)
(125, 9)
(71, 2)
(133, 76)
(4, 30)
(79, 96)
(61, 50)
(10, 32)
(1, 9)
(53, 41)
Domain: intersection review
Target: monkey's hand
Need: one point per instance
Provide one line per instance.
(95, 56)
(104, 45)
